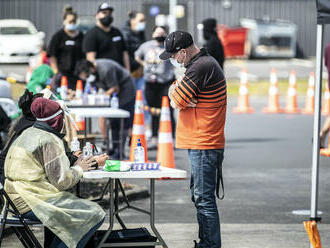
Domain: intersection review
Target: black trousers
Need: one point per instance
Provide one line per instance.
(154, 93)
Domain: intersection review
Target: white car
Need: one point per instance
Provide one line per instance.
(19, 41)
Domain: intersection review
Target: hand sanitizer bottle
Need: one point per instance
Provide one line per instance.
(139, 153)
(87, 150)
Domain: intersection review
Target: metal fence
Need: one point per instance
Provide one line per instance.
(47, 14)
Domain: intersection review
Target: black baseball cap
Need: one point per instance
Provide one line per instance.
(104, 6)
(174, 42)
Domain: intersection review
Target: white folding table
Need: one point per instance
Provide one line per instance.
(114, 180)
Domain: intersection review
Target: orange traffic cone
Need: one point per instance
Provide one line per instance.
(291, 104)
(138, 127)
(243, 105)
(79, 89)
(273, 99)
(80, 121)
(326, 101)
(313, 233)
(165, 154)
(309, 106)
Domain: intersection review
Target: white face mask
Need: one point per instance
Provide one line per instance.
(141, 26)
(175, 63)
(71, 27)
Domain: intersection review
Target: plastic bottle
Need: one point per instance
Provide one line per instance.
(114, 101)
(87, 89)
(139, 156)
(64, 92)
(100, 95)
(75, 144)
(87, 150)
(92, 96)
(116, 165)
(106, 99)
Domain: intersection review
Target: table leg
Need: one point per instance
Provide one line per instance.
(107, 134)
(152, 213)
(111, 213)
(85, 132)
(90, 125)
(121, 134)
(117, 204)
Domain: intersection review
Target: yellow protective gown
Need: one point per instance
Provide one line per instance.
(37, 174)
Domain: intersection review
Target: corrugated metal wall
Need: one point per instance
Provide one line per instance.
(301, 12)
(46, 14)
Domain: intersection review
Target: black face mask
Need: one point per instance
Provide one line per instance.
(160, 39)
(106, 21)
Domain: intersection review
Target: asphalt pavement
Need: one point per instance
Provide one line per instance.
(267, 174)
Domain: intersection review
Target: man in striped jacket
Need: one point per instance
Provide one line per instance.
(201, 98)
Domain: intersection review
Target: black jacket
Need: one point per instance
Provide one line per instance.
(133, 41)
(215, 49)
(4, 123)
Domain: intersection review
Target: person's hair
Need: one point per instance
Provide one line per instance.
(162, 27)
(83, 66)
(25, 101)
(132, 14)
(68, 10)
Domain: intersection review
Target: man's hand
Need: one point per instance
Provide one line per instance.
(78, 153)
(112, 90)
(85, 164)
(170, 93)
(171, 89)
(100, 159)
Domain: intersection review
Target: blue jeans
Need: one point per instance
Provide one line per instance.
(204, 164)
(56, 242)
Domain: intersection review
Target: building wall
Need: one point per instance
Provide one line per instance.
(47, 14)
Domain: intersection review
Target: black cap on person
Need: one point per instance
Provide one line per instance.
(104, 6)
(174, 42)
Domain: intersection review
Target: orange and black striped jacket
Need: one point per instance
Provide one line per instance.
(201, 127)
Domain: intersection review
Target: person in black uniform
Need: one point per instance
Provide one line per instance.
(104, 40)
(65, 49)
(213, 45)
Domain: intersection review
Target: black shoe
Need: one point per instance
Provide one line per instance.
(196, 246)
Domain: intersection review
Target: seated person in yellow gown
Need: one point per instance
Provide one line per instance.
(38, 173)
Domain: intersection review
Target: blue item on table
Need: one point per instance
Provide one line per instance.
(144, 166)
